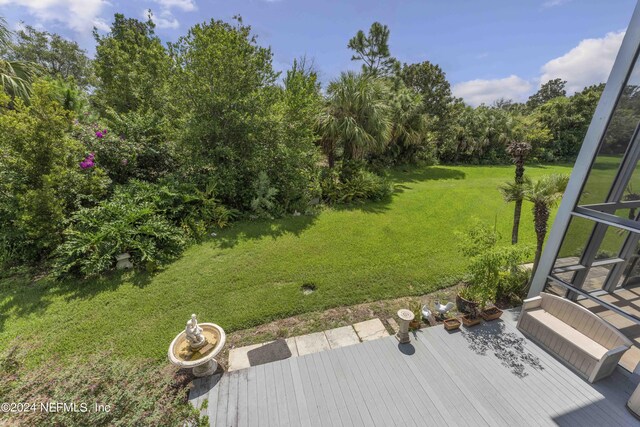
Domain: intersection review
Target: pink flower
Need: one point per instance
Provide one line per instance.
(88, 162)
(99, 134)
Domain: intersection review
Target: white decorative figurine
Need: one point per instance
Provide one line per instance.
(194, 333)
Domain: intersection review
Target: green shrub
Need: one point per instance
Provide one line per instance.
(132, 146)
(477, 238)
(41, 180)
(495, 272)
(97, 235)
(264, 204)
(359, 186)
(152, 222)
(137, 392)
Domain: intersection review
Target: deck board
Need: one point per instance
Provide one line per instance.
(436, 380)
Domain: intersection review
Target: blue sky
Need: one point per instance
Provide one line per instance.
(488, 48)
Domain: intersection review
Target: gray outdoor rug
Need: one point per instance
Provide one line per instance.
(277, 350)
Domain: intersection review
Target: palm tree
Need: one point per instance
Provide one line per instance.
(544, 194)
(513, 192)
(409, 123)
(356, 117)
(15, 76)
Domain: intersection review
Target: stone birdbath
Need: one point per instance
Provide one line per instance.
(197, 346)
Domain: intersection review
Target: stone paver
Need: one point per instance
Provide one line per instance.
(312, 343)
(291, 343)
(370, 330)
(318, 341)
(342, 337)
(238, 358)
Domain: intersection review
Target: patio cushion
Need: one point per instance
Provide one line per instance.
(574, 336)
(584, 341)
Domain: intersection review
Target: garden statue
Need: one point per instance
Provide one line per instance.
(193, 333)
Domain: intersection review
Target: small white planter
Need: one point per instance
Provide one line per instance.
(123, 261)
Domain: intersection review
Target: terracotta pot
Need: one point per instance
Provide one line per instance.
(451, 324)
(470, 321)
(414, 324)
(492, 313)
(464, 305)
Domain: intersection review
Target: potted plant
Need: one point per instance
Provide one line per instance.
(416, 308)
(472, 318)
(491, 313)
(465, 300)
(451, 323)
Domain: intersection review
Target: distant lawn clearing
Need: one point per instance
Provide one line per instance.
(252, 272)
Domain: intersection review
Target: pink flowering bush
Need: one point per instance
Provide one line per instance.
(45, 174)
(105, 149)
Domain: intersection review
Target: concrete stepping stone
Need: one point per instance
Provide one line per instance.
(312, 343)
(342, 337)
(238, 358)
(371, 330)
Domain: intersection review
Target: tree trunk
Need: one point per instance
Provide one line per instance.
(331, 158)
(519, 179)
(541, 219)
(516, 222)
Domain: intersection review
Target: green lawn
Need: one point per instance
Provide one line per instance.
(251, 273)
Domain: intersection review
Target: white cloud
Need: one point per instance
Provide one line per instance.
(476, 92)
(588, 63)
(164, 20)
(554, 3)
(79, 15)
(184, 5)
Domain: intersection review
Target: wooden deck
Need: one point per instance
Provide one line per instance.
(439, 379)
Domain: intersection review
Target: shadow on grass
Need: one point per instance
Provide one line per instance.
(250, 230)
(418, 174)
(22, 296)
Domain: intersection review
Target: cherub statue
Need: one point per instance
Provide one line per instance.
(194, 333)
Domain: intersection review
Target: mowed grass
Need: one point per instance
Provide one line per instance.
(252, 272)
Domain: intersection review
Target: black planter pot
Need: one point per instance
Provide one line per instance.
(464, 305)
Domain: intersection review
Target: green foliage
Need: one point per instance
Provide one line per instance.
(478, 238)
(15, 76)
(129, 145)
(42, 182)
(124, 223)
(132, 67)
(137, 392)
(240, 129)
(373, 51)
(568, 120)
(360, 185)
(149, 221)
(294, 170)
(495, 272)
(548, 91)
(430, 83)
(356, 120)
(410, 140)
(56, 56)
(263, 205)
(480, 135)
